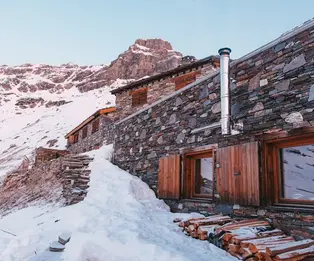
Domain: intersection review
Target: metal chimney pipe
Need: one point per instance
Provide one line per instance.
(224, 90)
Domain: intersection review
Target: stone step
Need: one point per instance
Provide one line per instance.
(56, 247)
(64, 238)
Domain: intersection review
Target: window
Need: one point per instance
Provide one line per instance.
(84, 134)
(139, 97)
(291, 160)
(75, 138)
(198, 176)
(183, 80)
(95, 125)
(203, 176)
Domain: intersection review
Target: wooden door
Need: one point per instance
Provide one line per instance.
(238, 174)
(169, 177)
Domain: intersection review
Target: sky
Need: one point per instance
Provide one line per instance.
(95, 32)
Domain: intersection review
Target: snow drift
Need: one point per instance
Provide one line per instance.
(120, 219)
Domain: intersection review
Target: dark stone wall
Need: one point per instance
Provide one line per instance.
(272, 90)
(94, 140)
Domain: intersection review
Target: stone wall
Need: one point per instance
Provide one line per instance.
(156, 90)
(272, 90)
(63, 181)
(94, 140)
(44, 154)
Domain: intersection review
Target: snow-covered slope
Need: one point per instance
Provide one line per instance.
(119, 220)
(22, 130)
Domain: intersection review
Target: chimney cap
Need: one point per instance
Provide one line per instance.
(224, 50)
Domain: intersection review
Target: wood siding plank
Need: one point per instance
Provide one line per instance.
(169, 177)
(242, 189)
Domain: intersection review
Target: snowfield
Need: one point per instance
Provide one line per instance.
(119, 220)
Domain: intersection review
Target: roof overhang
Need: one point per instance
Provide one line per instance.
(213, 59)
(90, 118)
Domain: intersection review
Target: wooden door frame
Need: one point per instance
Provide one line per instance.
(188, 172)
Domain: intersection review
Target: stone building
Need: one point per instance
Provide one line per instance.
(140, 94)
(93, 132)
(240, 141)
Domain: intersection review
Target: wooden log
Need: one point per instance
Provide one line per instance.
(211, 221)
(236, 255)
(252, 259)
(204, 230)
(263, 240)
(185, 223)
(296, 255)
(191, 228)
(249, 223)
(276, 250)
(247, 253)
(238, 238)
(234, 248)
(262, 246)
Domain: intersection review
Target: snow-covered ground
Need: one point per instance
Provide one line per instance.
(22, 130)
(119, 220)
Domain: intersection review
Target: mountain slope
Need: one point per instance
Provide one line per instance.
(39, 104)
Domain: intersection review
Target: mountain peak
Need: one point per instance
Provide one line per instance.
(155, 43)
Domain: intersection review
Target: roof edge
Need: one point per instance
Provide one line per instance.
(166, 73)
(90, 118)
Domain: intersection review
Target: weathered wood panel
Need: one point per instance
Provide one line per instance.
(169, 177)
(238, 175)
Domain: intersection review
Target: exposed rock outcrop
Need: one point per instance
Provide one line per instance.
(143, 58)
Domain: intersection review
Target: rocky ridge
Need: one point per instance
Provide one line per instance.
(143, 58)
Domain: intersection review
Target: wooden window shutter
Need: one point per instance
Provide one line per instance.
(238, 175)
(139, 97)
(183, 80)
(169, 177)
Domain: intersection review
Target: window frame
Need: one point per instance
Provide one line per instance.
(75, 138)
(273, 174)
(84, 132)
(189, 173)
(95, 127)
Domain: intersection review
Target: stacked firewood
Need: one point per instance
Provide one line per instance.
(250, 240)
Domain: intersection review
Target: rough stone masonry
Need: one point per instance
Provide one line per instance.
(270, 90)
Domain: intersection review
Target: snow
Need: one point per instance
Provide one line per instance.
(120, 219)
(33, 127)
(144, 48)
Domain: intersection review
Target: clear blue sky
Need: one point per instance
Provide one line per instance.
(96, 31)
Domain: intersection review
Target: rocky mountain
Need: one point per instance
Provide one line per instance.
(143, 58)
(40, 103)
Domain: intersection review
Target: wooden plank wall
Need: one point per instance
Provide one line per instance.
(238, 175)
(169, 177)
